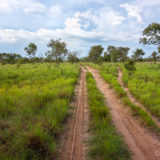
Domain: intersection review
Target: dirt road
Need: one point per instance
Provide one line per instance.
(141, 143)
(133, 100)
(73, 142)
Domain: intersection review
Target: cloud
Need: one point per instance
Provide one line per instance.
(28, 6)
(133, 11)
(93, 25)
(137, 8)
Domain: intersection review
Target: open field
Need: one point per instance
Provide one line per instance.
(70, 112)
(145, 85)
(34, 102)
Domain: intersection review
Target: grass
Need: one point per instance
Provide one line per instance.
(34, 102)
(105, 142)
(109, 73)
(145, 85)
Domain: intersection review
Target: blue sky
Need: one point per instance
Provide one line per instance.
(81, 23)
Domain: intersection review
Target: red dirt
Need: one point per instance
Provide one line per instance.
(133, 100)
(73, 142)
(142, 145)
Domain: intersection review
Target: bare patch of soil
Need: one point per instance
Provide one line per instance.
(74, 145)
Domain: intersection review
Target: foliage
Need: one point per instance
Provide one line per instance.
(73, 57)
(34, 103)
(154, 56)
(9, 57)
(95, 52)
(31, 49)
(137, 54)
(58, 50)
(145, 85)
(130, 66)
(117, 53)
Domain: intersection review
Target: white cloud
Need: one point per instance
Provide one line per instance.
(137, 8)
(133, 11)
(28, 6)
(104, 25)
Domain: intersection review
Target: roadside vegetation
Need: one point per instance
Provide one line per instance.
(34, 102)
(105, 142)
(109, 72)
(144, 84)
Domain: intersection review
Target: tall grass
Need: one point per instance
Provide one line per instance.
(145, 85)
(109, 72)
(34, 102)
(105, 142)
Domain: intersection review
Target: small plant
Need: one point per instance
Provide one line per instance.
(130, 67)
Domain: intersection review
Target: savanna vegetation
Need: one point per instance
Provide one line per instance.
(144, 84)
(34, 102)
(35, 98)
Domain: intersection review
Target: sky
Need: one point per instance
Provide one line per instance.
(80, 23)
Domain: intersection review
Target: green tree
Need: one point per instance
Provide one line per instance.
(73, 57)
(130, 66)
(107, 57)
(58, 50)
(31, 49)
(151, 35)
(112, 51)
(123, 52)
(154, 56)
(137, 54)
(95, 52)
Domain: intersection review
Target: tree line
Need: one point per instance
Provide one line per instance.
(58, 51)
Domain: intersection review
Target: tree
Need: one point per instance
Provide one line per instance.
(154, 56)
(151, 35)
(137, 54)
(73, 57)
(95, 52)
(58, 50)
(107, 57)
(123, 52)
(31, 49)
(112, 51)
(130, 66)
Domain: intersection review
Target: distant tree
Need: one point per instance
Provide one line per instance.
(73, 57)
(58, 50)
(154, 56)
(9, 57)
(137, 54)
(151, 35)
(130, 66)
(31, 49)
(107, 57)
(123, 52)
(95, 52)
(112, 51)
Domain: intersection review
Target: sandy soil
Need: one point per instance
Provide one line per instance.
(74, 146)
(133, 100)
(142, 145)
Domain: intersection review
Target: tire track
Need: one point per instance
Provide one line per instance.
(73, 145)
(142, 144)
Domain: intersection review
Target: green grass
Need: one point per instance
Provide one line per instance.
(145, 85)
(105, 142)
(34, 102)
(109, 73)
